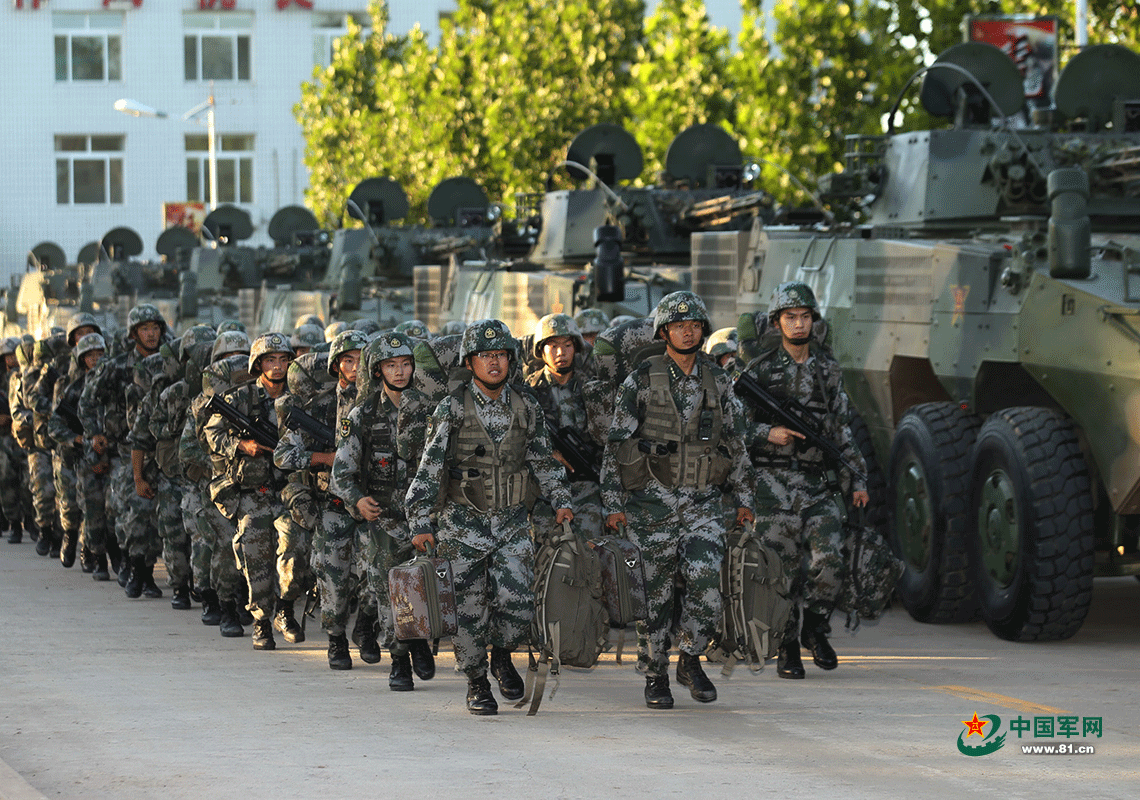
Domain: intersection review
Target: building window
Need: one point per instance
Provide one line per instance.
(216, 46)
(235, 168)
(88, 47)
(88, 170)
(327, 28)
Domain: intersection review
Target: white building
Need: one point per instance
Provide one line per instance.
(76, 168)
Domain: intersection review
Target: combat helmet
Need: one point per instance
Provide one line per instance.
(793, 294)
(229, 343)
(231, 325)
(80, 320)
(333, 328)
(722, 342)
(144, 312)
(345, 342)
(308, 319)
(265, 344)
(8, 345)
(553, 325)
(487, 334)
(308, 374)
(195, 337)
(308, 336)
(88, 342)
(455, 326)
(414, 328)
(679, 307)
(592, 320)
(365, 325)
(388, 344)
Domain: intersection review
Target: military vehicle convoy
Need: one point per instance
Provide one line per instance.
(605, 244)
(987, 317)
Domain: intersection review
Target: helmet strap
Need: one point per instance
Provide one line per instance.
(799, 340)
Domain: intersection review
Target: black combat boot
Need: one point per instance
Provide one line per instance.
(101, 573)
(657, 694)
(149, 587)
(503, 668)
(338, 652)
(423, 662)
(690, 673)
(814, 639)
(263, 635)
(245, 616)
(364, 636)
(229, 625)
(180, 597)
(114, 555)
(67, 548)
(400, 679)
(480, 701)
(55, 537)
(285, 622)
(45, 543)
(211, 608)
(134, 587)
(788, 663)
(86, 560)
(16, 535)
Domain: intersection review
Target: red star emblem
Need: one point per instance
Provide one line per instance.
(975, 725)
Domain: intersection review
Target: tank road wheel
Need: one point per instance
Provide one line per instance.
(1032, 499)
(927, 501)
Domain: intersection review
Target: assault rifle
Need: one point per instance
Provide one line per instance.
(790, 413)
(584, 457)
(69, 413)
(257, 429)
(300, 420)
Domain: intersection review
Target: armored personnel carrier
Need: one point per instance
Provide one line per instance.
(605, 243)
(987, 318)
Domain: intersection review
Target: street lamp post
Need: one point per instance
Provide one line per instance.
(137, 109)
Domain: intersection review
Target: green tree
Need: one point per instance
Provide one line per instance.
(680, 78)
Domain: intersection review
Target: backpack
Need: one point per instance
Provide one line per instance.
(871, 572)
(757, 605)
(570, 622)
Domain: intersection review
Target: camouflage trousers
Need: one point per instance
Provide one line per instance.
(116, 501)
(493, 596)
(802, 521)
(680, 535)
(215, 534)
(139, 537)
(585, 502)
(201, 549)
(92, 490)
(389, 544)
(255, 545)
(43, 488)
(12, 464)
(294, 554)
(174, 535)
(64, 462)
(339, 545)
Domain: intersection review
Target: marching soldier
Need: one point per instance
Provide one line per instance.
(252, 494)
(675, 444)
(798, 496)
(485, 441)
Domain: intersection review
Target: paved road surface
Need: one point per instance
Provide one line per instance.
(105, 697)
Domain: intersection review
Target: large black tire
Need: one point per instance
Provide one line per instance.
(1032, 498)
(928, 505)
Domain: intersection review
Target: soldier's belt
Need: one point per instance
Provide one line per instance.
(818, 468)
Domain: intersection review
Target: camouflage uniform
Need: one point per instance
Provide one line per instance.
(672, 496)
(378, 449)
(40, 474)
(9, 471)
(67, 456)
(563, 406)
(253, 494)
(800, 511)
(490, 551)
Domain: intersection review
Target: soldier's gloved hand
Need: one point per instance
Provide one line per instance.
(423, 541)
(614, 520)
(744, 516)
(99, 442)
(563, 515)
(860, 499)
(252, 449)
(368, 508)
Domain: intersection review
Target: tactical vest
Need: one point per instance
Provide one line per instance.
(498, 478)
(255, 472)
(378, 459)
(682, 453)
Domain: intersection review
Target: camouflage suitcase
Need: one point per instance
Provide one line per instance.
(423, 598)
(623, 580)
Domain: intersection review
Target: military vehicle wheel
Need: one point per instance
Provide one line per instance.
(1032, 499)
(927, 502)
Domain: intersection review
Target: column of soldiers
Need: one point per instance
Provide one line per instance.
(301, 468)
